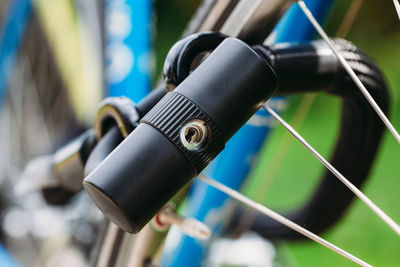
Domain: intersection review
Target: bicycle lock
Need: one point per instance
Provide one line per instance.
(181, 135)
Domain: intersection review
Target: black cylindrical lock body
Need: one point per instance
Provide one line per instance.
(230, 86)
(159, 157)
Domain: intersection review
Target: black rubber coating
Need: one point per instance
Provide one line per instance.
(303, 68)
(178, 63)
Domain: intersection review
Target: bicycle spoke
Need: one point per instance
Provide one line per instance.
(380, 213)
(279, 218)
(397, 6)
(300, 114)
(349, 70)
(277, 161)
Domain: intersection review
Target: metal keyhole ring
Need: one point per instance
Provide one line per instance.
(194, 134)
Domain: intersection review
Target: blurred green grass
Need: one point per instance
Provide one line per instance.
(376, 30)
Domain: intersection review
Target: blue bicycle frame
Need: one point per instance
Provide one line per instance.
(12, 31)
(128, 48)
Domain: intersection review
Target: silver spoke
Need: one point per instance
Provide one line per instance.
(397, 6)
(380, 213)
(279, 218)
(349, 70)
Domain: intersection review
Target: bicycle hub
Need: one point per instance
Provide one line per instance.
(181, 135)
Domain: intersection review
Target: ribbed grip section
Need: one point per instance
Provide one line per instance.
(170, 115)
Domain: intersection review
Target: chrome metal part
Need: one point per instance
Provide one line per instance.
(194, 135)
(189, 226)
